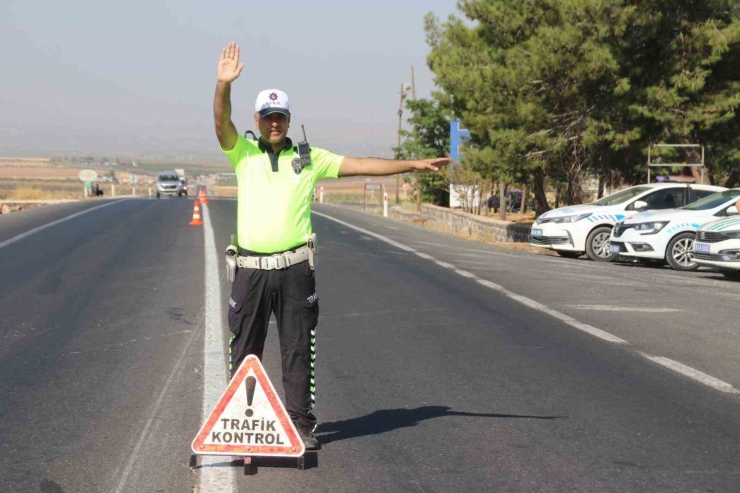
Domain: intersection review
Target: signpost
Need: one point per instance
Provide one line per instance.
(87, 176)
(457, 135)
(133, 180)
(652, 164)
(372, 187)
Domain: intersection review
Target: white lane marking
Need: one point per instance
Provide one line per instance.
(154, 421)
(693, 374)
(473, 251)
(54, 223)
(521, 299)
(216, 475)
(424, 256)
(369, 233)
(609, 308)
(568, 320)
(444, 264)
(491, 285)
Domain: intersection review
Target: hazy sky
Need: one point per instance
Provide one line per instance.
(137, 77)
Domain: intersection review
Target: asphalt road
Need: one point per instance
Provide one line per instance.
(443, 365)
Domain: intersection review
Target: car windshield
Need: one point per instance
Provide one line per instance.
(621, 196)
(169, 178)
(712, 201)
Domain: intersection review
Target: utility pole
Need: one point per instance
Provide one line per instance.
(418, 176)
(400, 121)
(413, 84)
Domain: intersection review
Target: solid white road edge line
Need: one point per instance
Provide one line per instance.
(54, 223)
(693, 374)
(214, 476)
(521, 299)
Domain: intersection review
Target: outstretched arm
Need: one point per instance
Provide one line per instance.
(370, 166)
(228, 71)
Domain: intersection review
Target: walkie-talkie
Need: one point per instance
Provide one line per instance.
(304, 151)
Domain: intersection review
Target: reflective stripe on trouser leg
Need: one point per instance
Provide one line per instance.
(231, 340)
(312, 388)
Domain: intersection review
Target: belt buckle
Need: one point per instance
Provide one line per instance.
(271, 263)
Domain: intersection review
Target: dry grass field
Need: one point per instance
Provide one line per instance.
(39, 179)
(38, 173)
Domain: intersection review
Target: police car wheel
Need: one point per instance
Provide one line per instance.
(679, 253)
(597, 245)
(733, 275)
(568, 254)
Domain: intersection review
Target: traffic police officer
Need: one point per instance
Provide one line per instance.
(276, 250)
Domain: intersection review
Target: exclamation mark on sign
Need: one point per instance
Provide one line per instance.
(251, 382)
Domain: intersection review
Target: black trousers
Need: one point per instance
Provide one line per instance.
(291, 295)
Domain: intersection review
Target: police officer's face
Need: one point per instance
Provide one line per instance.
(273, 127)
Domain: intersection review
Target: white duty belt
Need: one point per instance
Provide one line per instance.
(277, 261)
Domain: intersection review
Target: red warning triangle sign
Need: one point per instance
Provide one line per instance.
(249, 419)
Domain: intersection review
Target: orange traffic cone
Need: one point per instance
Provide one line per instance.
(202, 196)
(196, 215)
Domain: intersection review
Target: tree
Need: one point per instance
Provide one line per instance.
(429, 137)
(562, 87)
(690, 88)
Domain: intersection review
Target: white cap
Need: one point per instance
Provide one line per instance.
(272, 101)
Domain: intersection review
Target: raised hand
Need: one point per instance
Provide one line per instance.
(229, 67)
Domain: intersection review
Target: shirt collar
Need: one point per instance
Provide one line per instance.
(268, 148)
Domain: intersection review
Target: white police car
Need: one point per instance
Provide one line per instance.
(669, 235)
(718, 245)
(571, 231)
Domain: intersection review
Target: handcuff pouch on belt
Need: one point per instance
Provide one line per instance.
(232, 252)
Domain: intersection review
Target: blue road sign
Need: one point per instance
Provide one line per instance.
(457, 134)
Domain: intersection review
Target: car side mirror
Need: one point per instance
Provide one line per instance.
(732, 210)
(640, 204)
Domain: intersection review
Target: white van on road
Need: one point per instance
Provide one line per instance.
(571, 231)
(170, 183)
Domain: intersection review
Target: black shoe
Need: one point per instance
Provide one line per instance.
(309, 439)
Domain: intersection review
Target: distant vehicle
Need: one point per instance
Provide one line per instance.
(514, 201)
(669, 235)
(718, 245)
(184, 185)
(168, 183)
(573, 230)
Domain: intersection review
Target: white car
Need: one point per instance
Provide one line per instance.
(669, 235)
(571, 231)
(718, 245)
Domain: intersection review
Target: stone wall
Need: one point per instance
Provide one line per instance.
(462, 223)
